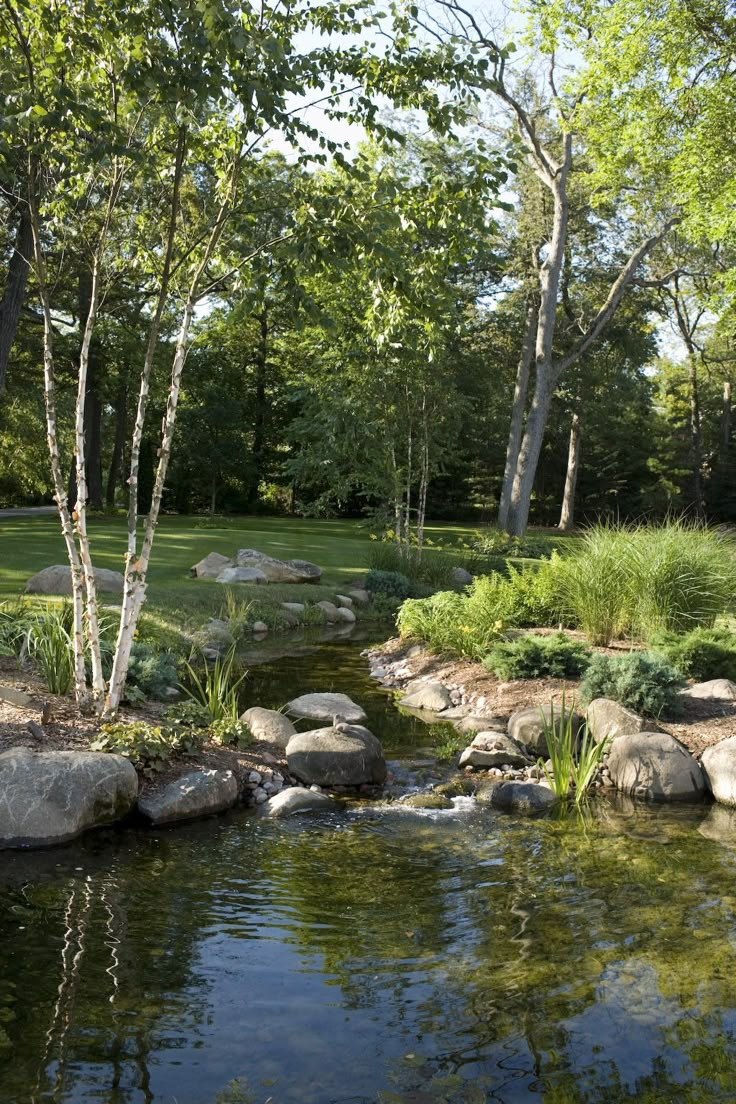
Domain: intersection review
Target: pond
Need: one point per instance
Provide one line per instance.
(374, 956)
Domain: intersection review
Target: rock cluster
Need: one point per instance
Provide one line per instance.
(251, 566)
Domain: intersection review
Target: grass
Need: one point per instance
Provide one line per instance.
(174, 601)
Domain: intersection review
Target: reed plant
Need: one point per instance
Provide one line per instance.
(51, 648)
(215, 686)
(574, 755)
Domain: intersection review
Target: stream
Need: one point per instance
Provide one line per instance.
(376, 955)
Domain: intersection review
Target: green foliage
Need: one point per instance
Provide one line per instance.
(461, 624)
(642, 681)
(51, 648)
(148, 747)
(536, 594)
(215, 687)
(573, 754)
(230, 733)
(450, 744)
(534, 656)
(238, 612)
(150, 673)
(595, 582)
(189, 713)
(392, 583)
(498, 543)
(701, 654)
(432, 569)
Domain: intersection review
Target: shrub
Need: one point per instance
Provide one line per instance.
(533, 656)
(701, 654)
(150, 673)
(148, 747)
(432, 569)
(642, 681)
(462, 624)
(188, 713)
(496, 542)
(216, 687)
(394, 583)
(537, 594)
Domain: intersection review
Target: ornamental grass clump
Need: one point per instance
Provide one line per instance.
(50, 647)
(642, 681)
(574, 755)
(595, 583)
(215, 687)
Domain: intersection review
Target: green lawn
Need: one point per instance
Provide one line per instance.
(341, 548)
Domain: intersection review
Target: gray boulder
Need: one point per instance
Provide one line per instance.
(348, 755)
(196, 794)
(460, 577)
(279, 571)
(242, 575)
(53, 796)
(344, 613)
(656, 766)
(295, 800)
(719, 767)
(607, 719)
(474, 723)
(214, 638)
(211, 566)
(325, 707)
(527, 727)
(362, 597)
(344, 601)
(58, 580)
(493, 749)
(529, 798)
(330, 612)
(269, 725)
(433, 697)
(715, 690)
(260, 628)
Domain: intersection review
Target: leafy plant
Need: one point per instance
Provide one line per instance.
(215, 687)
(231, 733)
(595, 582)
(642, 681)
(701, 654)
(148, 747)
(573, 753)
(496, 542)
(534, 656)
(462, 624)
(536, 598)
(450, 744)
(188, 713)
(51, 648)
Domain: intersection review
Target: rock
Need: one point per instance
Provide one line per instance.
(656, 766)
(432, 800)
(325, 707)
(17, 698)
(279, 571)
(526, 725)
(456, 787)
(255, 777)
(330, 612)
(289, 619)
(242, 575)
(214, 638)
(211, 566)
(196, 794)
(716, 689)
(362, 597)
(295, 800)
(460, 577)
(473, 723)
(260, 796)
(607, 719)
(58, 580)
(260, 627)
(269, 725)
(528, 798)
(53, 796)
(434, 697)
(719, 768)
(346, 615)
(720, 825)
(494, 749)
(346, 756)
(293, 607)
(344, 601)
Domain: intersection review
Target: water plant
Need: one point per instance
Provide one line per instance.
(574, 755)
(642, 681)
(215, 686)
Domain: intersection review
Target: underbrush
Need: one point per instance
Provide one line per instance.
(642, 681)
(533, 656)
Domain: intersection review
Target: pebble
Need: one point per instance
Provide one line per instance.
(260, 795)
(315, 788)
(255, 776)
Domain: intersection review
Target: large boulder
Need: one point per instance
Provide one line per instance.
(196, 794)
(211, 566)
(493, 749)
(607, 719)
(433, 697)
(715, 690)
(472, 722)
(460, 577)
(527, 726)
(330, 612)
(719, 767)
(325, 707)
(269, 725)
(295, 800)
(279, 571)
(656, 766)
(58, 580)
(236, 574)
(52, 796)
(528, 798)
(346, 755)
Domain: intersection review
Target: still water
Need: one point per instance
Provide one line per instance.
(375, 956)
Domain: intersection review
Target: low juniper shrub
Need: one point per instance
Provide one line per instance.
(701, 654)
(642, 681)
(534, 656)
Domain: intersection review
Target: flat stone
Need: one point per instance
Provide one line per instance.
(526, 726)
(211, 566)
(528, 798)
(433, 697)
(719, 768)
(472, 722)
(279, 571)
(656, 766)
(269, 725)
(325, 707)
(293, 607)
(57, 579)
(715, 689)
(348, 755)
(53, 796)
(494, 749)
(17, 698)
(196, 794)
(242, 575)
(607, 719)
(296, 800)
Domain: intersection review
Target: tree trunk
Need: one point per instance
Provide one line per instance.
(116, 461)
(15, 289)
(725, 434)
(517, 413)
(259, 420)
(567, 514)
(696, 451)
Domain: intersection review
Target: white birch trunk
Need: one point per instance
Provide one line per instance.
(517, 414)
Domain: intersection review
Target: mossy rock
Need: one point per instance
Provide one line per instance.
(432, 800)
